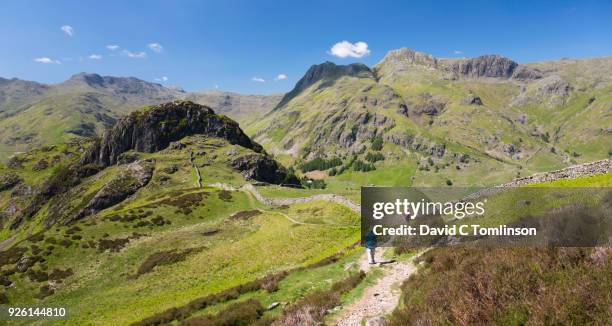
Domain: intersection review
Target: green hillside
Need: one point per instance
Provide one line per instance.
(477, 121)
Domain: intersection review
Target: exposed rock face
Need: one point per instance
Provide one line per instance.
(135, 176)
(429, 105)
(8, 181)
(326, 71)
(352, 130)
(525, 73)
(484, 66)
(554, 85)
(259, 167)
(155, 128)
(415, 143)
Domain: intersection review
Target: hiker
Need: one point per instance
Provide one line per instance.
(370, 244)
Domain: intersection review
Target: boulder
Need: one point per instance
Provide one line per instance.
(473, 100)
(259, 167)
(9, 180)
(377, 321)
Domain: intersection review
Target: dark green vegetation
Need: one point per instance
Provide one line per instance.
(562, 286)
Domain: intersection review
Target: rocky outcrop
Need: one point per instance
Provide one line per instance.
(9, 180)
(428, 104)
(495, 66)
(259, 167)
(483, 66)
(472, 100)
(135, 176)
(554, 86)
(526, 73)
(154, 128)
(415, 143)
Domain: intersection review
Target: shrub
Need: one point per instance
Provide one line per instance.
(311, 309)
(518, 286)
(163, 258)
(374, 157)
(58, 274)
(245, 215)
(225, 195)
(313, 184)
(359, 165)
(377, 144)
(238, 314)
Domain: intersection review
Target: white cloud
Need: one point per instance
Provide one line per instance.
(347, 49)
(458, 52)
(95, 57)
(258, 79)
(161, 79)
(113, 47)
(281, 77)
(138, 55)
(155, 47)
(68, 30)
(47, 60)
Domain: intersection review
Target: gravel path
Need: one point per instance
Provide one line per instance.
(381, 298)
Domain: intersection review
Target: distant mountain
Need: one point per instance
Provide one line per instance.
(241, 107)
(452, 118)
(33, 114)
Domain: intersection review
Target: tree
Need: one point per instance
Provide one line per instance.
(377, 143)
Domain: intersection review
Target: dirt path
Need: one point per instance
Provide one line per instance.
(381, 298)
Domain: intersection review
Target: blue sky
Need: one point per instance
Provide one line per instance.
(234, 45)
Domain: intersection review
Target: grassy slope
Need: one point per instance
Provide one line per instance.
(103, 288)
(512, 286)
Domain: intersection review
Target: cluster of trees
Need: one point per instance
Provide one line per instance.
(374, 157)
(377, 143)
(362, 166)
(320, 164)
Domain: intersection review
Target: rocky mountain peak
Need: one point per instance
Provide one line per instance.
(153, 128)
(408, 56)
(328, 71)
(87, 78)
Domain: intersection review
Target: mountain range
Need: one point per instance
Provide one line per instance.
(86, 104)
(447, 120)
